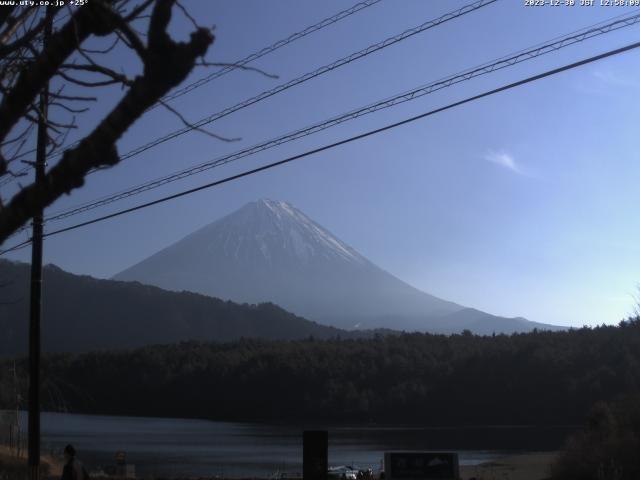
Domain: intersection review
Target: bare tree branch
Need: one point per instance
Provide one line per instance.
(5, 14)
(239, 67)
(89, 84)
(14, 23)
(25, 39)
(68, 108)
(131, 39)
(188, 124)
(135, 13)
(95, 17)
(73, 98)
(166, 64)
(186, 13)
(104, 50)
(95, 68)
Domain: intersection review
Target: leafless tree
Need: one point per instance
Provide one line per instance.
(26, 67)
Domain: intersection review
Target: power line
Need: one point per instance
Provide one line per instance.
(16, 247)
(369, 133)
(336, 64)
(308, 76)
(504, 62)
(10, 178)
(239, 63)
(275, 46)
(313, 74)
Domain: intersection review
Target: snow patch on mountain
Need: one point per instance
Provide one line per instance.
(307, 238)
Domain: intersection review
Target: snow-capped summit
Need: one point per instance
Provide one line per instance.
(277, 227)
(269, 251)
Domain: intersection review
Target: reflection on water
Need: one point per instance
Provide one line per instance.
(182, 447)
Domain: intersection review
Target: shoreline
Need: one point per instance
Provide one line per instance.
(336, 424)
(526, 466)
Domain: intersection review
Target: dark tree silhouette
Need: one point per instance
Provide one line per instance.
(26, 67)
(537, 378)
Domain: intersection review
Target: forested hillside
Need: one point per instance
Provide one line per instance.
(82, 313)
(534, 378)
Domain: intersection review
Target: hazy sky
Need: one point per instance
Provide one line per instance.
(522, 204)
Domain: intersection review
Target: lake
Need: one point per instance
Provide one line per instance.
(182, 447)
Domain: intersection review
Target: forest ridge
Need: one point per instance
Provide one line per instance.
(543, 378)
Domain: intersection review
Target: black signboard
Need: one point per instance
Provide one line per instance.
(315, 452)
(421, 466)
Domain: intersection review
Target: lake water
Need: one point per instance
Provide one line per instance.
(179, 447)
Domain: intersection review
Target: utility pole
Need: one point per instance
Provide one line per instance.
(36, 282)
(16, 418)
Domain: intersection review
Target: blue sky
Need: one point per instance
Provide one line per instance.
(522, 204)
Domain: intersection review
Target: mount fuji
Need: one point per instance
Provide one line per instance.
(269, 251)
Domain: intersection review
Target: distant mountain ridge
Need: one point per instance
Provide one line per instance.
(270, 251)
(81, 313)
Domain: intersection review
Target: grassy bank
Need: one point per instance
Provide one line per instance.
(530, 466)
(13, 467)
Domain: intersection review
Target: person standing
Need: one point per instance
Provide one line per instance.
(73, 468)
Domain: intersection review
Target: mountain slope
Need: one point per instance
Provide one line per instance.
(270, 251)
(82, 313)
